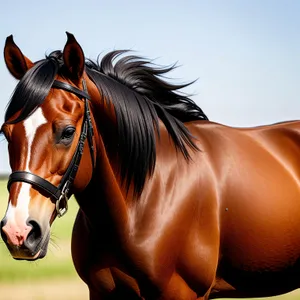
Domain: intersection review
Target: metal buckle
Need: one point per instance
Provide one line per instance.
(63, 196)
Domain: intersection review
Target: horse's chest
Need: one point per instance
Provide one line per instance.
(114, 282)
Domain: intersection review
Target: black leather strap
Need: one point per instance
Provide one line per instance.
(70, 88)
(71, 172)
(90, 132)
(35, 180)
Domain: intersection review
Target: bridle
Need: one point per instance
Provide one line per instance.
(61, 193)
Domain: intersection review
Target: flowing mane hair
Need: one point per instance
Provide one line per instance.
(140, 96)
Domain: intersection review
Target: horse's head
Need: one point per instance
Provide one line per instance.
(49, 133)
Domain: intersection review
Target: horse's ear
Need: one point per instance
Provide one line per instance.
(73, 58)
(17, 63)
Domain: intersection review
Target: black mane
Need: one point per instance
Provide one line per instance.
(140, 97)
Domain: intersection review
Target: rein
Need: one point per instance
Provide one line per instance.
(61, 193)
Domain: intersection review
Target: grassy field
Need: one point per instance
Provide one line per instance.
(53, 277)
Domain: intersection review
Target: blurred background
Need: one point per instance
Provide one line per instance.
(245, 56)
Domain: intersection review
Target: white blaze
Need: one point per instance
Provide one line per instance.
(31, 124)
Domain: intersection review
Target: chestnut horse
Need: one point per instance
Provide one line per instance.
(172, 206)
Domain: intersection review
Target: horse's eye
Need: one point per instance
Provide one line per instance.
(68, 133)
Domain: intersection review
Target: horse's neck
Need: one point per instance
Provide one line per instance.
(104, 120)
(103, 200)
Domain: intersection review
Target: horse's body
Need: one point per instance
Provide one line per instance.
(216, 214)
(226, 225)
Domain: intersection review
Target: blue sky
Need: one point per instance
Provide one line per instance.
(245, 54)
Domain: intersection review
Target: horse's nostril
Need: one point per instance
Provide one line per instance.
(34, 235)
(3, 235)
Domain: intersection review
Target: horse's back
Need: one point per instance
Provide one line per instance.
(256, 176)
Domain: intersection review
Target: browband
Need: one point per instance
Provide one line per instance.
(70, 88)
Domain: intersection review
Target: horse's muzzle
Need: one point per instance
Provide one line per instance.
(28, 244)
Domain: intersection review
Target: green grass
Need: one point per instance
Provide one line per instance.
(57, 263)
(12, 271)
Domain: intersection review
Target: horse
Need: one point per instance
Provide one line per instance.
(171, 205)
